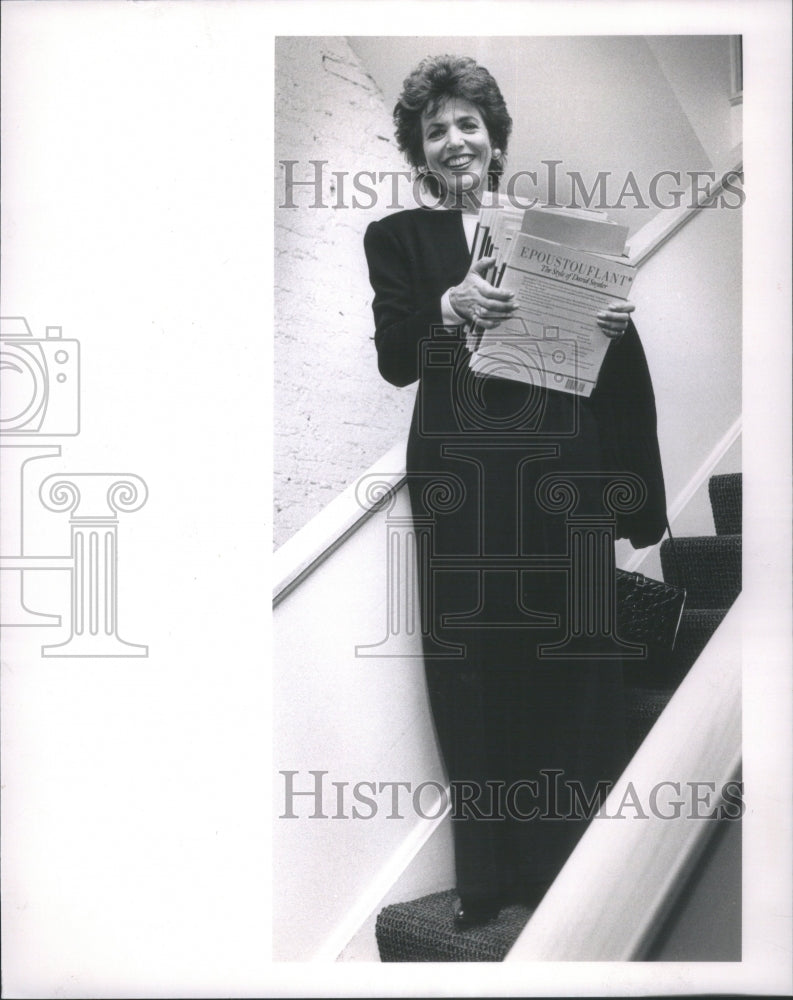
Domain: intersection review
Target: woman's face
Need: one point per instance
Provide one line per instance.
(457, 145)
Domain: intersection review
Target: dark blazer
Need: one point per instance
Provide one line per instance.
(414, 256)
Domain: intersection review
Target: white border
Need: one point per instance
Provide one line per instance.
(765, 25)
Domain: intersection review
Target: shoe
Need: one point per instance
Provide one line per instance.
(475, 912)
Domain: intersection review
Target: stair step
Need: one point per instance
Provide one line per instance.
(709, 567)
(667, 670)
(726, 502)
(423, 930)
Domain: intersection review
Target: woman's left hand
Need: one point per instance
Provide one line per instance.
(613, 320)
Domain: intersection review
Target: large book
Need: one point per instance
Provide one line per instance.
(553, 340)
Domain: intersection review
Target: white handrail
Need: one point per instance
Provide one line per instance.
(610, 898)
(667, 223)
(309, 547)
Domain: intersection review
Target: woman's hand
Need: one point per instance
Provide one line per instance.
(477, 300)
(613, 320)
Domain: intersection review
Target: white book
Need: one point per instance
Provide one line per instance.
(553, 340)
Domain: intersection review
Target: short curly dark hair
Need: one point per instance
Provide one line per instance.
(437, 78)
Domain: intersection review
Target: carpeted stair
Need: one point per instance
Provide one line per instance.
(710, 570)
(726, 502)
(422, 930)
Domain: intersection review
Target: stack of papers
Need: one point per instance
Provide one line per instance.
(564, 267)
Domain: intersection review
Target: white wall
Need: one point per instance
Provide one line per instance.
(698, 69)
(358, 718)
(688, 313)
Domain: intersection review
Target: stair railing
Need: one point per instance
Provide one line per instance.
(610, 899)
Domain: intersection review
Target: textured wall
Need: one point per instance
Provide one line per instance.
(334, 415)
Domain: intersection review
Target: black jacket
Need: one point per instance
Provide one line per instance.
(414, 256)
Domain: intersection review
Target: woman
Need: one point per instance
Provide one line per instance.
(515, 728)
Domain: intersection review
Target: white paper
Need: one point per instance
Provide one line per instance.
(553, 340)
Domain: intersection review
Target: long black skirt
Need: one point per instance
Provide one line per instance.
(529, 740)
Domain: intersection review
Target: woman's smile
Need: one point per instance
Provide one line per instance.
(456, 145)
(459, 161)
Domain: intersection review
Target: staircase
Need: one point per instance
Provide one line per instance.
(710, 569)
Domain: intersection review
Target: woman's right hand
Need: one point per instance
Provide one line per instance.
(477, 300)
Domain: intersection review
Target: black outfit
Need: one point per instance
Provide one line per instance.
(493, 588)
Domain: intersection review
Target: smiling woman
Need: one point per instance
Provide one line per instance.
(453, 125)
(479, 451)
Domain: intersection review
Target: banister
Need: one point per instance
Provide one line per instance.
(668, 222)
(324, 533)
(619, 883)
